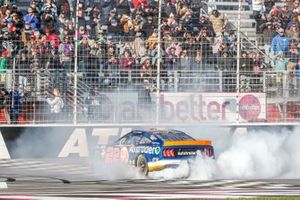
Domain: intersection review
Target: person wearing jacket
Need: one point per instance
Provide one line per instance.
(31, 18)
(14, 104)
(280, 42)
(56, 104)
(297, 77)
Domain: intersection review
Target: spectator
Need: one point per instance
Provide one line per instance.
(257, 64)
(257, 7)
(23, 71)
(126, 61)
(268, 34)
(152, 40)
(92, 106)
(204, 40)
(57, 75)
(280, 42)
(140, 4)
(246, 63)
(56, 104)
(3, 66)
(106, 7)
(297, 76)
(66, 49)
(293, 51)
(205, 23)
(110, 63)
(285, 15)
(26, 33)
(268, 5)
(3, 103)
(148, 27)
(123, 7)
(280, 68)
(114, 28)
(15, 104)
(280, 62)
(32, 19)
(219, 21)
(48, 20)
(139, 45)
(172, 60)
(50, 7)
(197, 63)
(3, 98)
(226, 62)
(293, 32)
(146, 70)
(84, 50)
(126, 25)
(51, 38)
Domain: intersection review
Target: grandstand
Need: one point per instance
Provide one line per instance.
(176, 61)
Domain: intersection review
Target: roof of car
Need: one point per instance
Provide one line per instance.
(154, 131)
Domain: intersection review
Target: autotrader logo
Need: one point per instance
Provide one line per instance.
(249, 107)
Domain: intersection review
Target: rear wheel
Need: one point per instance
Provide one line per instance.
(142, 164)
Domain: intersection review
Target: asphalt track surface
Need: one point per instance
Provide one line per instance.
(70, 179)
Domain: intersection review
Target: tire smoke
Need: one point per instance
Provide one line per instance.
(252, 155)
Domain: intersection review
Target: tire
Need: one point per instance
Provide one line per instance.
(142, 165)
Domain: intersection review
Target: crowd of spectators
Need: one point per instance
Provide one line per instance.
(116, 37)
(119, 35)
(278, 24)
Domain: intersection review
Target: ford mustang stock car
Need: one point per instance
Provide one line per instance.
(155, 150)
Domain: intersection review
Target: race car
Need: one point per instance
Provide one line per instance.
(156, 150)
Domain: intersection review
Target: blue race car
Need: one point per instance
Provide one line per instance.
(156, 150)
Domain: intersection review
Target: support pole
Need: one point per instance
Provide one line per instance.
(75, 65)
(238, 56)
(158, 63)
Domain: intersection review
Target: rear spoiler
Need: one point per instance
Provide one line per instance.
(187, 143)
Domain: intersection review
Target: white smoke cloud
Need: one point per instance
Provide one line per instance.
(251, 155)
(182, 171)
(115, 171)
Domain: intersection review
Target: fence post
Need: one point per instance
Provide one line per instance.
(285, 94)
(75, 66)
(264, 82)
(158, 63)
(220, 81)
(238, 62)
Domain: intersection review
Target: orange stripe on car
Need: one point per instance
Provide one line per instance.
(187, 143)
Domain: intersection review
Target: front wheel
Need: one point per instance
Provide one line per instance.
(142, 165)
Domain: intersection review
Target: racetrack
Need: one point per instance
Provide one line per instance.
(72, 178)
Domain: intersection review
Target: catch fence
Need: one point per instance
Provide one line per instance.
(173, 97)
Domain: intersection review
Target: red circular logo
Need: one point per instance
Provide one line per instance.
(249, 107)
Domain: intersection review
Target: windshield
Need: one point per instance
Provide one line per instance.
(173, 136)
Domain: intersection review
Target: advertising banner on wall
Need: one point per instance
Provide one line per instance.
(180, 107)
(115, 107)
(210, 107)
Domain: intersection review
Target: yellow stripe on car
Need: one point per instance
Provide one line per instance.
(156, 167)
(187, 143)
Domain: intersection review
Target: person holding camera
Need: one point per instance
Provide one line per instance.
(56, 104)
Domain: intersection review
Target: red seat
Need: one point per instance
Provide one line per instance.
(3, 119)
(273, 113)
